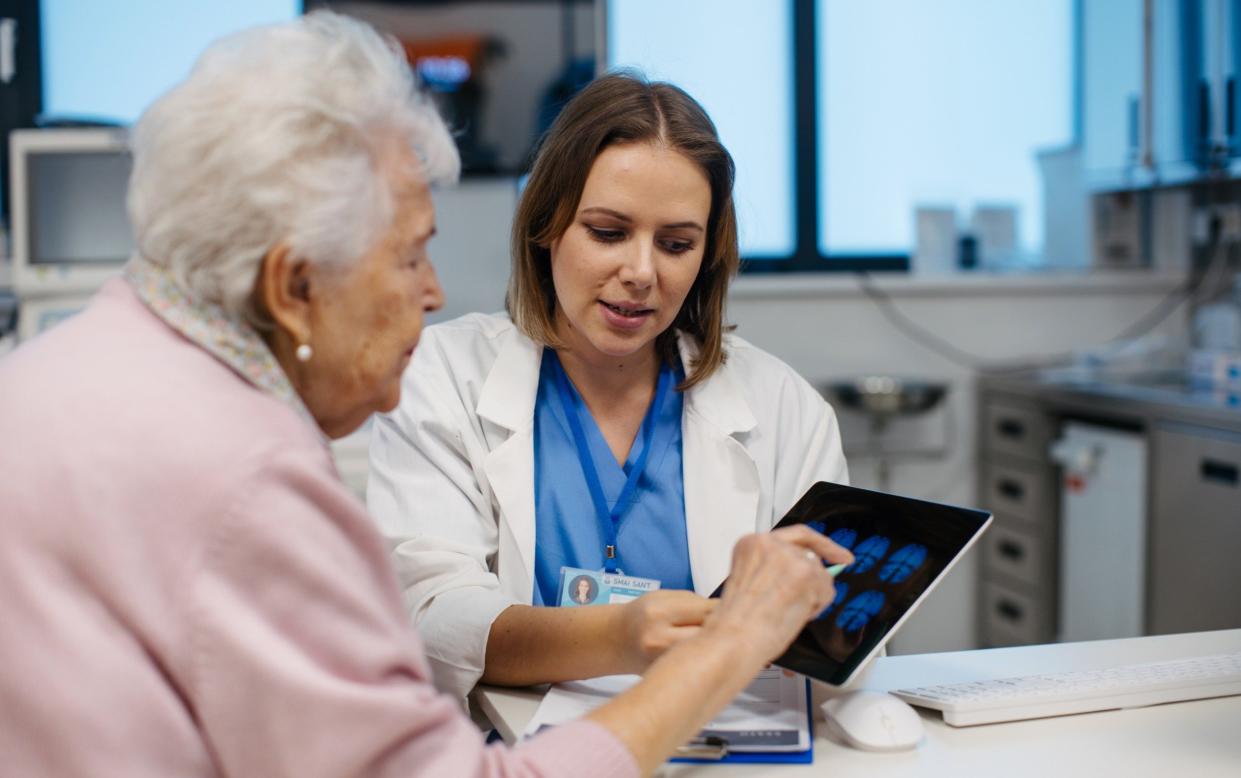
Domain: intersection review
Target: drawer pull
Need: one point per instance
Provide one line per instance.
(1011, 550)
(1009, 610)
(1011, 428)
(1218, 472)
(1011, 489)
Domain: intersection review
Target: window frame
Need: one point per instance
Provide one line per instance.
(806, 257)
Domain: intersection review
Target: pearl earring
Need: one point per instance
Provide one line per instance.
(304, 353)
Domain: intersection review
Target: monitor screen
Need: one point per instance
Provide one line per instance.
(77, 207)
(107, 61)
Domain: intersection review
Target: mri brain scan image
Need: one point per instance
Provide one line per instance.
(844, 537)
(868, 553)
(902, 564)
(857, 612)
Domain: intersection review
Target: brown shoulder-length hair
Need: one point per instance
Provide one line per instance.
(625, 108)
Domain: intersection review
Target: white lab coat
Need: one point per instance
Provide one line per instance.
(452, 474)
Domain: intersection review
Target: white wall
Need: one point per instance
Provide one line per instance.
(470, 249)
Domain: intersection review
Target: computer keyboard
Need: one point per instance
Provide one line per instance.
(1057, 694)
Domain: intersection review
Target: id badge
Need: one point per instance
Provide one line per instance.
(595, 587)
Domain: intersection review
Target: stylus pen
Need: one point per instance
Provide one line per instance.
(836, 570)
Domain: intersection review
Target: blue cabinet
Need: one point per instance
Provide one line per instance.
(1217, 46)
(1111, 105)
(1176, 30)
(1159, 103)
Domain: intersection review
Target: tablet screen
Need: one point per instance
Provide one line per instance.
(902, 548)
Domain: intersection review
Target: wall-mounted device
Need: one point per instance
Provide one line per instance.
(70, 230)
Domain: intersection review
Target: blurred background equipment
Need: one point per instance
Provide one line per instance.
(452, 69)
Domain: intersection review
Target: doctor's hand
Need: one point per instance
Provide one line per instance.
(658, 620)
(777, 583)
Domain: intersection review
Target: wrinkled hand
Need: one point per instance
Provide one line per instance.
(775, 587)
(657, 620)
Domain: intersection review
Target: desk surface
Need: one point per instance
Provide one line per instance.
(1199, 739)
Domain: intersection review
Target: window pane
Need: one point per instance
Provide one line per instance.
(110, 60)
(736, 58)
(936, 103)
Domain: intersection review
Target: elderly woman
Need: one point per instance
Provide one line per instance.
(188, 588)
(611, 423)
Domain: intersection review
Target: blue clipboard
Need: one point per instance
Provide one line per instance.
(765, 757)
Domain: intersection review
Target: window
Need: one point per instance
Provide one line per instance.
(755, 79)
(108, 61)
(941, 103)
(844, 116)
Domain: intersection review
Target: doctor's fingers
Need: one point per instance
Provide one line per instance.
(671, 606)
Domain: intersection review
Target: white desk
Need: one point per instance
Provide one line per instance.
(1200, 739)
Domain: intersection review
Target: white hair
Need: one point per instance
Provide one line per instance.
(274, 137)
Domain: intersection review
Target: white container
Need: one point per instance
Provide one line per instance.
(995, 226)
(1215, 368)
(935, 240)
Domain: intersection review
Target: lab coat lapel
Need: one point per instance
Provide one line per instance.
(507, 400)
(720, 477)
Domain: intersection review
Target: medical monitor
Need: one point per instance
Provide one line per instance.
(70, 230)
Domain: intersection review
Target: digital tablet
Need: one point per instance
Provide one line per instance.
(902, 547)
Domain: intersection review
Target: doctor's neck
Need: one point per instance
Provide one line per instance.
(605, 379)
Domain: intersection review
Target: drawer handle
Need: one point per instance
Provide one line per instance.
(1009, 610)
(1011, 550)
(1011, 489)
(1011, 428)
(1218, 472)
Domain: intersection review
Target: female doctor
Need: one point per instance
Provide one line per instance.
(610, 424)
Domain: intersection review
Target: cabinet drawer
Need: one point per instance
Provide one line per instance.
(1023, 493)
(1013, 618)
(1017, 429)
(1195, 538)
(1018, 555)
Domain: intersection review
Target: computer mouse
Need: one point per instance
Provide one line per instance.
(874, 721)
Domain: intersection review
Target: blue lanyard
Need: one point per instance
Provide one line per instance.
(609, 518)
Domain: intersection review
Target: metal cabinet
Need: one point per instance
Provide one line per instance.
(1017, 484)
(1170, 562)
(1194, 577)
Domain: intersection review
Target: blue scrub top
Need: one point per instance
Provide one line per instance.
(650, 539)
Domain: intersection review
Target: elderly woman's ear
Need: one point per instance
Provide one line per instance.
(283, 290)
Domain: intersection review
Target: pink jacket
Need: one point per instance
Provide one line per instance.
(186, 588)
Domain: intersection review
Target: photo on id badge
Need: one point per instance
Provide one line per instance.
(595, 587)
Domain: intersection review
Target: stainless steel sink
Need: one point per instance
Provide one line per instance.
(882, 397)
